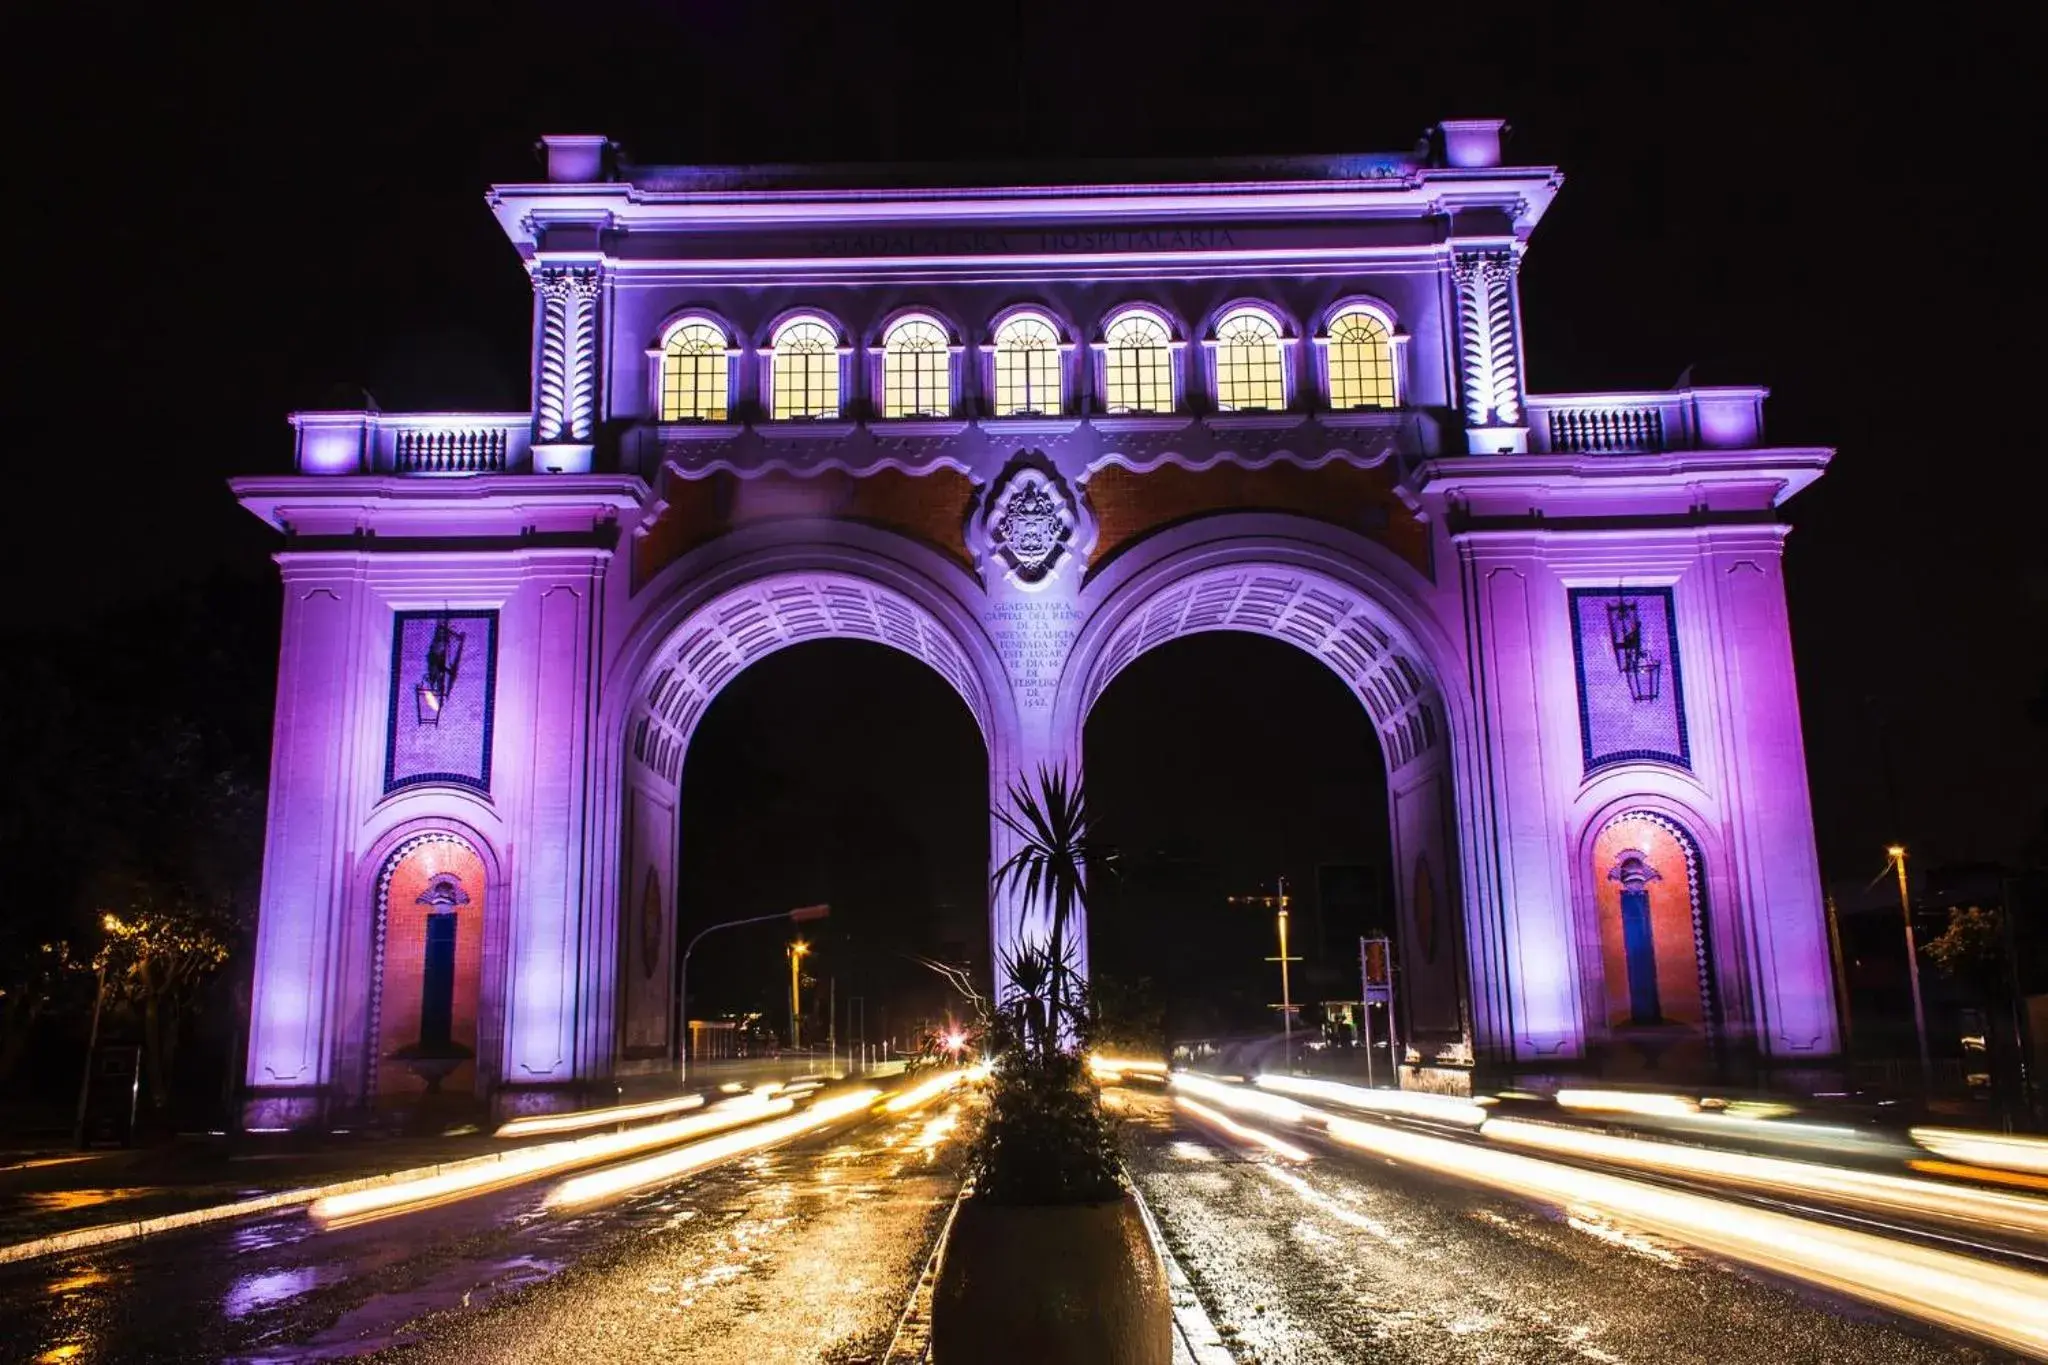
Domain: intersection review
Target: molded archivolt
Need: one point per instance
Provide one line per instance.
(748, 623)
(1337, 626)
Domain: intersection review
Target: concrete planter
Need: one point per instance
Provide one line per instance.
(1044, 1285)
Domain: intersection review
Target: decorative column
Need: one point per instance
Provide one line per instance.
(1029, 537)
(563, 957)
(1490, 351)
(324, 700)
(565, 368)
(1771, 812)
(1525, 985)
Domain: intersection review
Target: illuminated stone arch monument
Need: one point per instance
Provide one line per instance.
(1026, 424)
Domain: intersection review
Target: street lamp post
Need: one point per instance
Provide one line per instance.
(1286, 1006)
(1897, 854)
(1286, 990)
(796, 1018)
(92, 1041)
(799, 915)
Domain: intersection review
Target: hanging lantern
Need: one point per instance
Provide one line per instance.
(1625, 632)
(444, 662)
(1645, 678)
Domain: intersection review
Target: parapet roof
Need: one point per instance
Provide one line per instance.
(1097, 173)
(594, 191)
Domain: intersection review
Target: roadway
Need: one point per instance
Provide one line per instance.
(807, 1251)
(1305, 1241)
(1343, 1255)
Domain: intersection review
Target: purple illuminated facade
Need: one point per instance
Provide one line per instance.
(1027, 427)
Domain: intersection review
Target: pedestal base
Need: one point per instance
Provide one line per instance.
(284, 1111)
(561, 458)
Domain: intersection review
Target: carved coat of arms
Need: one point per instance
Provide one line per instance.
(1031, 525)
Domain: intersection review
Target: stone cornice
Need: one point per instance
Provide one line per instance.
(1604, 488)
(483, 506)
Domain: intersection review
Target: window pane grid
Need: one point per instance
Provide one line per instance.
(1137, 366)
(916, 371)
(693, 375)
(1027, 369)
(806, 376)
(1248, 375)
(1361, 358)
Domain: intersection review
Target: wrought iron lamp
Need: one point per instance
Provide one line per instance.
(1643, 672)
(444, 663)
(1645, 678)
(1625, 632)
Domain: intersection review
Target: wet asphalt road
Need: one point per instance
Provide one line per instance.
(1347, 1258)
(804, 1253)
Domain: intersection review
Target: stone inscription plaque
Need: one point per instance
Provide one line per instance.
(1033, 636)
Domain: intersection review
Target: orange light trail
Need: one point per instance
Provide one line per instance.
(598, 1118)
(666, 1166)
(1983, 1299)
(529, 1163)
(1867, 1190)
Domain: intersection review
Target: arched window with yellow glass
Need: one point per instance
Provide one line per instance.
(803, 377)
(696, 372)
(1028, 356)
(917, 368)
(1137, 363)
(1250, 361)
(1358, 359)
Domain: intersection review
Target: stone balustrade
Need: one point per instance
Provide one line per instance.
(427, 444)
(1637, 423)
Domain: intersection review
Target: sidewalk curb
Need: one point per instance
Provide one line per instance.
(101, 1234)
(1195, 1338)
(912, 1343)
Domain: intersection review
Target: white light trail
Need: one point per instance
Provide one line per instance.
(1984, 1299)
(1239, 1098)
(598, 1118)
(1411, 1104)
(2001, 1151)
(528, 1163)
(1238, 1130)
(1868, 1190)
(1628, 1102)
(666, 1166)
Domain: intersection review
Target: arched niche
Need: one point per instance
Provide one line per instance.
(432, 1003)
(1657, 992)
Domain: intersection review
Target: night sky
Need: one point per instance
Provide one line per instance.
(221, 216)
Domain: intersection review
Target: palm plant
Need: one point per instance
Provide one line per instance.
(1056, 852)
(1047, 996)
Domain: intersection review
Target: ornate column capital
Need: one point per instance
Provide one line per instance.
(1489, 347)
(551, 282)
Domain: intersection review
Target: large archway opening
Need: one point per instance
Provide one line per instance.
(848, 676)
(846, 773)
(1335, 615)
(1217, 764)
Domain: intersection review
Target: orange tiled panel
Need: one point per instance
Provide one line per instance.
(1127, 505)
(405, 935)
(929, 507)
(1671, 933)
